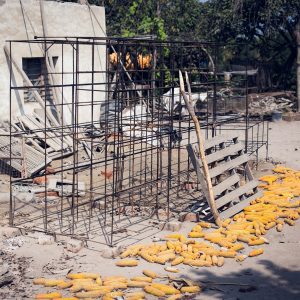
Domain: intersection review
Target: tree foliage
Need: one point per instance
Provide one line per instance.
(268, 27)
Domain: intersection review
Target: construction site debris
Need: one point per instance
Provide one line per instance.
(266, 103)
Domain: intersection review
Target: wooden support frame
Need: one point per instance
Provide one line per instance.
(224, 156)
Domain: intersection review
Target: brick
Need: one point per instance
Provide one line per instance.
(74, 245)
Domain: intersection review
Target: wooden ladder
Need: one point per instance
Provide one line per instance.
(224, 156)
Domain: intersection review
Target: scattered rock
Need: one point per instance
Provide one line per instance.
(45, 239)
(189, 217)
(74, 246)
(172, 226)
(112, 252)
(162, 214)
(14, 243)
(9, 232)
(5, 276)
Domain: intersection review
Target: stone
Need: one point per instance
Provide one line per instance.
(189, 217)
(6, 277)
(74, 246)
(45, 239)
(112, 252)
(172, 226)
(9, 232)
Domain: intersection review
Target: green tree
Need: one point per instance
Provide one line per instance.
(270, 27)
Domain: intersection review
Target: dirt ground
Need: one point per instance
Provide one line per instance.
(273, 275)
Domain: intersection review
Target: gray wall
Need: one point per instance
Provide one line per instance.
(62, 19)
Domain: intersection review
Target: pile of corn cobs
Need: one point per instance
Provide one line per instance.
(203, 247)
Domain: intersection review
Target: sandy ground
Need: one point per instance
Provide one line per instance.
(274, 275)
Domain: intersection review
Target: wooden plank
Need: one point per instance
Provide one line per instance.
(224, 185)
(47, 130)
(249, 186)
(229, 165)
(230, 150)
(239, 207)
(219, 139)
(39, 134)
(196, 164)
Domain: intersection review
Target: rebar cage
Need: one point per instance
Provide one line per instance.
(103, 147)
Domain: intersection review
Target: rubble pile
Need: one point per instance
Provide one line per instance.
(264, 104)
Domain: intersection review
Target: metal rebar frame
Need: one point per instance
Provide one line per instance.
(128, 163)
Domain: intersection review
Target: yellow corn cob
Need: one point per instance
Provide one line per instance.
(114, 294)
(190, 248)
(115, 284)
(256, 252)
(214, 259)
(82, 280)
(163, 247)
(256, 242)
(167, 257)
(197, 262)
(146, 256)
(166, 252)
(99, 281)
(177, 261)
(115, 278)
(90, 294)
(167, 289)
(290, 222)
(83, 275)
(95, 287)
(195, 234)
(189, 242)
(172, 270)
(197, 228)
(76, 288)
(187, 261)
(154, 291)
(48, 296)
(241, 258)
(183, 239)
(228, 254)
(137, 284)
(150, 274)
(174, 236)
(127, 263)
(142, 278)
(270, 225)
(244, 238)
(190, 289)
(89, 287)
(178, 249)
(211, 251)
(65, 285)
(221, 261)
(204, 224)
(237, 247)
(39, 281)
(226, 222)
(279, 227)
(170, 245)
(53, 282)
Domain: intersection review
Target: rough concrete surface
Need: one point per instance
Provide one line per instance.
(273, 275)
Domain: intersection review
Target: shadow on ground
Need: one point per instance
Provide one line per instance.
(273, 282)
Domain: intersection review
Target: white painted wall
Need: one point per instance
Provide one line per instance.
(62, 19)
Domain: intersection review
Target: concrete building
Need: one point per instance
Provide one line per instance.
(21, 20)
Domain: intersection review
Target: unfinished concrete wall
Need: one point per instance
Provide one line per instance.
(21, 20)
